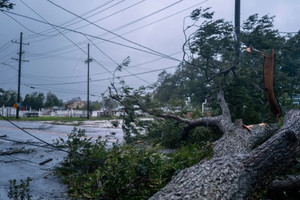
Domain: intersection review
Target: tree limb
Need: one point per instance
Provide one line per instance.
(236, 176)
(285, 184)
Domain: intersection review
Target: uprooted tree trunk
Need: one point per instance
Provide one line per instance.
(244, 161)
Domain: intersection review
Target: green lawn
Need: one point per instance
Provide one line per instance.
(63, 119)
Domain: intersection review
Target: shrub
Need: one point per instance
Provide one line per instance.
(19, 190)
(122, 172)
(115, 123)
(169, 134)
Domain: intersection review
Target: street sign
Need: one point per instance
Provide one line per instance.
(16, 105)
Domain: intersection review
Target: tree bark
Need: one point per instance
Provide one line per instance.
(238, 172)
(288, 183)
(244, 160)
(235, 139)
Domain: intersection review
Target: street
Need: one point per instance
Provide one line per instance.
(34, 159)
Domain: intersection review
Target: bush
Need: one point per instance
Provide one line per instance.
(19, 190)
(84, 155)
(115, 123)
(169, 134)
(122, 172)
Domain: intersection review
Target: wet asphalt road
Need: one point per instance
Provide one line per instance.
(44, 184)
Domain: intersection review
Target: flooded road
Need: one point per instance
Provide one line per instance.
(44, 184)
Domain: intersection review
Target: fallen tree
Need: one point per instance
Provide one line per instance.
(240, 166)
(245, 160)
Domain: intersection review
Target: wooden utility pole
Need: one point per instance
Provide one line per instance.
(88, 83)
(19, 72)
(237, 25)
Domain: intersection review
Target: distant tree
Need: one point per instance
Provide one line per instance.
(6, 4)
(8, 98)
(291, 52)
(34, 101)
(52, 100)
(108, 103)
(95, 105)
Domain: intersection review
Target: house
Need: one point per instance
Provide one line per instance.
(77, 104)
(106, 112)
(296, 99)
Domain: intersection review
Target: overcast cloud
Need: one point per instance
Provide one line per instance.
(57, 54)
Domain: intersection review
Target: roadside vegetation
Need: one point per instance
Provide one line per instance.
(134, 170)
(19, 190)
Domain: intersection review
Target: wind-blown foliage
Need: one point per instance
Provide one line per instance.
(34, 100)
(6, 4)
(210, 63)
(93, 171)
(8, 97)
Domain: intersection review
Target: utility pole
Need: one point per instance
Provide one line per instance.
(19, 72)
(237, 25)
(88, 83)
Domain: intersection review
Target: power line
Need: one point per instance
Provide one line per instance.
(159, 20)
(94, 74)
(24, 25)
(103, 79)
(144, 17)
(9, 66)
(47, 143)
(95, 14)
(27, 143)
(89, 17)
(147, 72)
(92, 36)
(60, 77)
(9, 79)
(114, 60)
(53, 26)
(113, 32)
(45, 54)
(59, 90)
(16, 159)
(117, 12)
(5, 45)
(138, 20)
(65, 83)
(9, 54)
(74, 19)
(135, 21)
(151, 61)
(22, 129)
(66, 37)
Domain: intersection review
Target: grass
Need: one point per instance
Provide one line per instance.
(60, 119)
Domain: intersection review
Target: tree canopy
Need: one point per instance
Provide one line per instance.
(210, 63)
(210, 66)
(52, 100)
(34, 101)
(6, 4)
(7, 97)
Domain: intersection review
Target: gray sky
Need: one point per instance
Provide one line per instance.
(146, 30)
